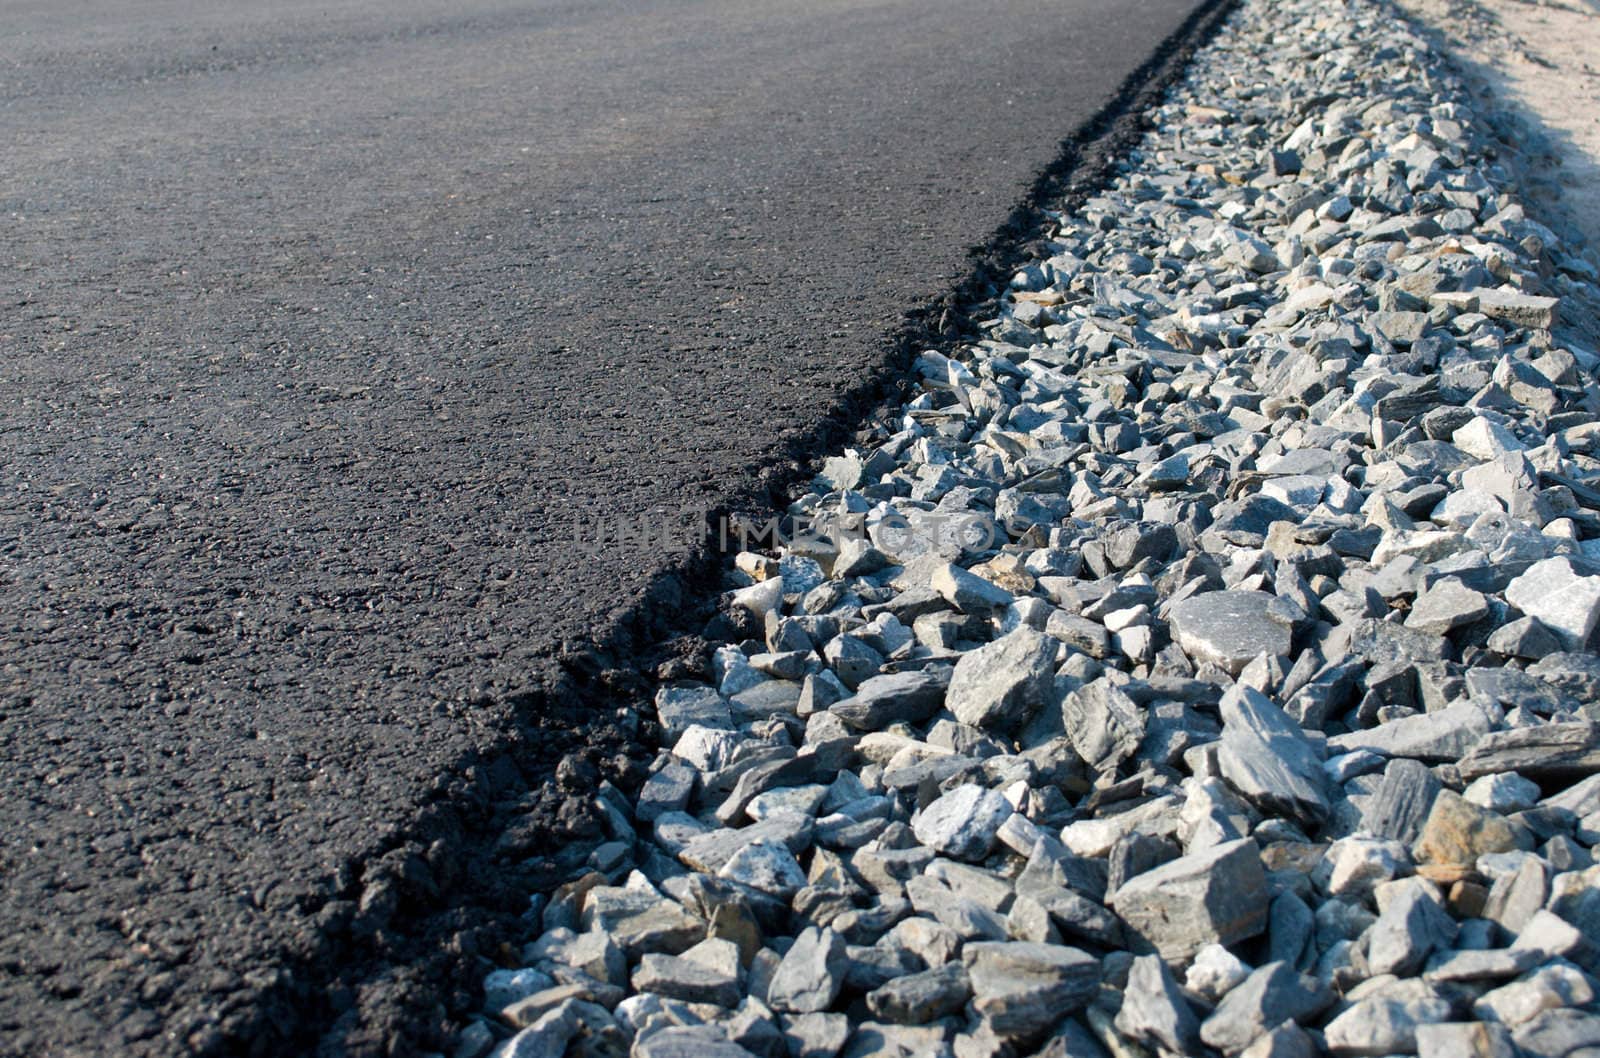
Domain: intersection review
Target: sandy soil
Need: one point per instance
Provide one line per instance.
(1539, 61)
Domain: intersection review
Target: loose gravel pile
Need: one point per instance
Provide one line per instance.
(1202, 664)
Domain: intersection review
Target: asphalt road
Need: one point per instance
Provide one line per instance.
(320, 324)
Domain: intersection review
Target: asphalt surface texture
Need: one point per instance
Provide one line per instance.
(335, 334)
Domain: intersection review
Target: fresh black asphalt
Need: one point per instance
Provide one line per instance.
(326, 326)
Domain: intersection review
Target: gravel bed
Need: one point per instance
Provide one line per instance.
(1203, 663)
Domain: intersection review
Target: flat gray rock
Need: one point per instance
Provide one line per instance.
(1557, 984)
(1079, 633)
(1459, 1039)
(679, 708)
(1554, 750)
(1230, 629)
(1558, 1034)
(711, 850)
(892, 698)
(691, 1041)
(767, 866)
(1020, 988)
(668, 790)
(1434, 737)
(1381, 641)
(1508, 303)
(1489, 964)
(639, 922)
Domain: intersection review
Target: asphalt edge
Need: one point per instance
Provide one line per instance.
(390, 960)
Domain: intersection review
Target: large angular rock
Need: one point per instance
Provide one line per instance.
(1353, 866)
(1457, 832)
(1503, 792)
(680, 708)
(1291, 927)
(1557, 984)
(549, 1035)
(1288, 1040)
(1401, 328)
(1384, 1024)
(1485, 439)
(1002, 684)
(1525, 637)
(1461, 1039)
(1214, 971)
(1580, 799)
(1020, 989)
(1564, 600)
(1267, 758)
(1271, 995)
(707, 748)
(1400, 805)
(595, 953)
(1216, 896)
(668, 790)
(1413, 925)
(811, 974)
(766, 866)
(1481, 964)
(1231, 628)
(1246, 521)
(712, 850)
(1559, 1034)
(688, 1041)
(501, 988)
(969, 592)
(919, 998)
(1079, 633)
(962, 823)
(1516, 898)
(639, 921)
(852, 660)
(686, 980)
(1517, 306)
(1154, 1011)
(876, 1039)
(1104, 724)
(1548, 750)
(1447, 606)
(1382, 641)
(812, 1036)
(533, 1009)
